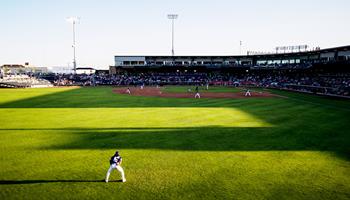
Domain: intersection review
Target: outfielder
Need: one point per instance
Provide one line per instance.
(115, 162)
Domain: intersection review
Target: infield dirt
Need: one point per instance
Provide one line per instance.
(158, 92)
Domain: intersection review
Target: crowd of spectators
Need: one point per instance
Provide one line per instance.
(23, 81)
(321, 83)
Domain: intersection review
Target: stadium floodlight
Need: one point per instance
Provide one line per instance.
(74, 21)
(172, 17)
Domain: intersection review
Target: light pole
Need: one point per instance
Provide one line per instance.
(74, 21)
(172, 17)
(240, 47)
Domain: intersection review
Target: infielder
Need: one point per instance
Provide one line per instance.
(197, 95)
(128, 91)
(247, 93)
(115, 162)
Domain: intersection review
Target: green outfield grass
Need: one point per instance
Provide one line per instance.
(56, 143)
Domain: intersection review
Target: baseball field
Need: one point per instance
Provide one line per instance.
(56, 144)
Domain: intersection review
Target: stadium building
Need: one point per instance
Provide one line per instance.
(13, 69)
(338, 56)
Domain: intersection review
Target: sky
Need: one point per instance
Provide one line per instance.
(37, 31)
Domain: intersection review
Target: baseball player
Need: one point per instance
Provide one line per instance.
(115, 162)
(247, 93)
(128, 91)
(197, 95)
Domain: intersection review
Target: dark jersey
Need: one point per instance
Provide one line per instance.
(115, 160)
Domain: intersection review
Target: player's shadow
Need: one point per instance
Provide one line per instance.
(21, 182)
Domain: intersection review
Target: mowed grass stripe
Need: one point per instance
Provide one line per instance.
(129, 117)
(157, 176)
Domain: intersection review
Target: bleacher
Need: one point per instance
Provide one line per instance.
(23, 81)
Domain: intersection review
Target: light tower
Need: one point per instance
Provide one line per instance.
(74, 21)
(240, 47)
(172, 17)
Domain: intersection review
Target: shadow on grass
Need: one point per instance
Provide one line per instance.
(197, 139)
(298, 127)
(21, 182)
